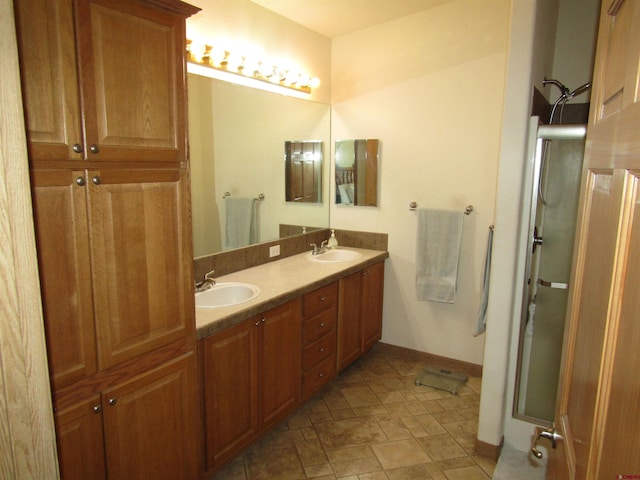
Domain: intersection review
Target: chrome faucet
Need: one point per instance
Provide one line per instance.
(206, 283)
(318, 250)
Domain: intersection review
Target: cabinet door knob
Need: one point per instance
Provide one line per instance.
(322, 325)
(322, 299)
(365, 273)
(77, 148)
(81, 181)
(96, 180)
(321, 375)
(263, 320)
(113, 401)
(257, 324)
(94, 149)
(321, 349)
(97, 408)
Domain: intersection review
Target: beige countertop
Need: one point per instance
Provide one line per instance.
(279, 282)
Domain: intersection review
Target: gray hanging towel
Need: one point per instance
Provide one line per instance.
(481, 320)
(438, 251)
(242, 222)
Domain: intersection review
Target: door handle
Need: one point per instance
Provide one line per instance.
(550, 434)
(560, 285)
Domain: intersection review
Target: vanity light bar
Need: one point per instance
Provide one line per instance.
(232, 63)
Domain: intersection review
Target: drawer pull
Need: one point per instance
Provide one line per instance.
(320, 375)
(322, 299)
(322, 325)
(321, 349)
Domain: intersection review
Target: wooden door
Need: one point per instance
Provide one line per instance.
(49, 78)
(60, 213)
(230, 379)
(150, 424)
(279, 368)
(140, 256)
(597, 412)
(372, 293)
(349, 315)
(132, 81)
(80, 442)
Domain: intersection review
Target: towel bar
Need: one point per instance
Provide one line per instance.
(259, 197)
(414, 205)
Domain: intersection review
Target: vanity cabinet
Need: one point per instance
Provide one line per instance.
(251, 379)
(359, 313)
(103, 79)
(104, 100)
(319, 310)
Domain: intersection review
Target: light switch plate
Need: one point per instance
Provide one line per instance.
(274, 251)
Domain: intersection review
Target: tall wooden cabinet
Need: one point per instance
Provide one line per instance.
(104, 97)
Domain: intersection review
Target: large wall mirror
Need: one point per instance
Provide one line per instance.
(357, 172)
(237, 137)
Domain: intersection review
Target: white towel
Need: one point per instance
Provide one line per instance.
(481, 320)
(438, 251)
(242, 222)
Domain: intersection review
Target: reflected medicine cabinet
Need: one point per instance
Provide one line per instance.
(303, 171)
(357, 172)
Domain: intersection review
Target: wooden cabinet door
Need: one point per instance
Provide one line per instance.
(150, 424)
(140, 256)
(230, 378)
(131, 64)
(279, 368)
(349, 319)
(372, 293)
(60, 212)
(49, 78)
(80, 443)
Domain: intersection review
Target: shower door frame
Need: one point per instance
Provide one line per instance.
(542, 132)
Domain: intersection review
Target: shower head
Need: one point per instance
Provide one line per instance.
(563, 89)
(581, 89)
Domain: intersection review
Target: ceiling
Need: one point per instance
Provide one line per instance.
(333, 18)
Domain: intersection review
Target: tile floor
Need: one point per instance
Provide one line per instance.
(372, 423)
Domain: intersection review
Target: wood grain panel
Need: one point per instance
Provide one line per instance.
(80, 441)
(280, 351)
(137, 255)
(27, 440)
(131, 67)
(60, 206)
(150, 424)
(49, 77)
(230, 368)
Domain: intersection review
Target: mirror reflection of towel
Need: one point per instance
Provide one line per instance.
(437, 254)
(242, 222)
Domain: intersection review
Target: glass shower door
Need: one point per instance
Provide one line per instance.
(554, 203)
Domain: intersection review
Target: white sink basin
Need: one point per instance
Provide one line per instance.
(335, 256)
(226, 294)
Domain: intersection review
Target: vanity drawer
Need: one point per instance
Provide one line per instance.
(318, 376)
(315, 327)
(320, 299)
(318, 351)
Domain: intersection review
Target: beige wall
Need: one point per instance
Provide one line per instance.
(430, 87)
(247, 25)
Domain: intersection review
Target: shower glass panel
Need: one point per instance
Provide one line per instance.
(556, 174)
